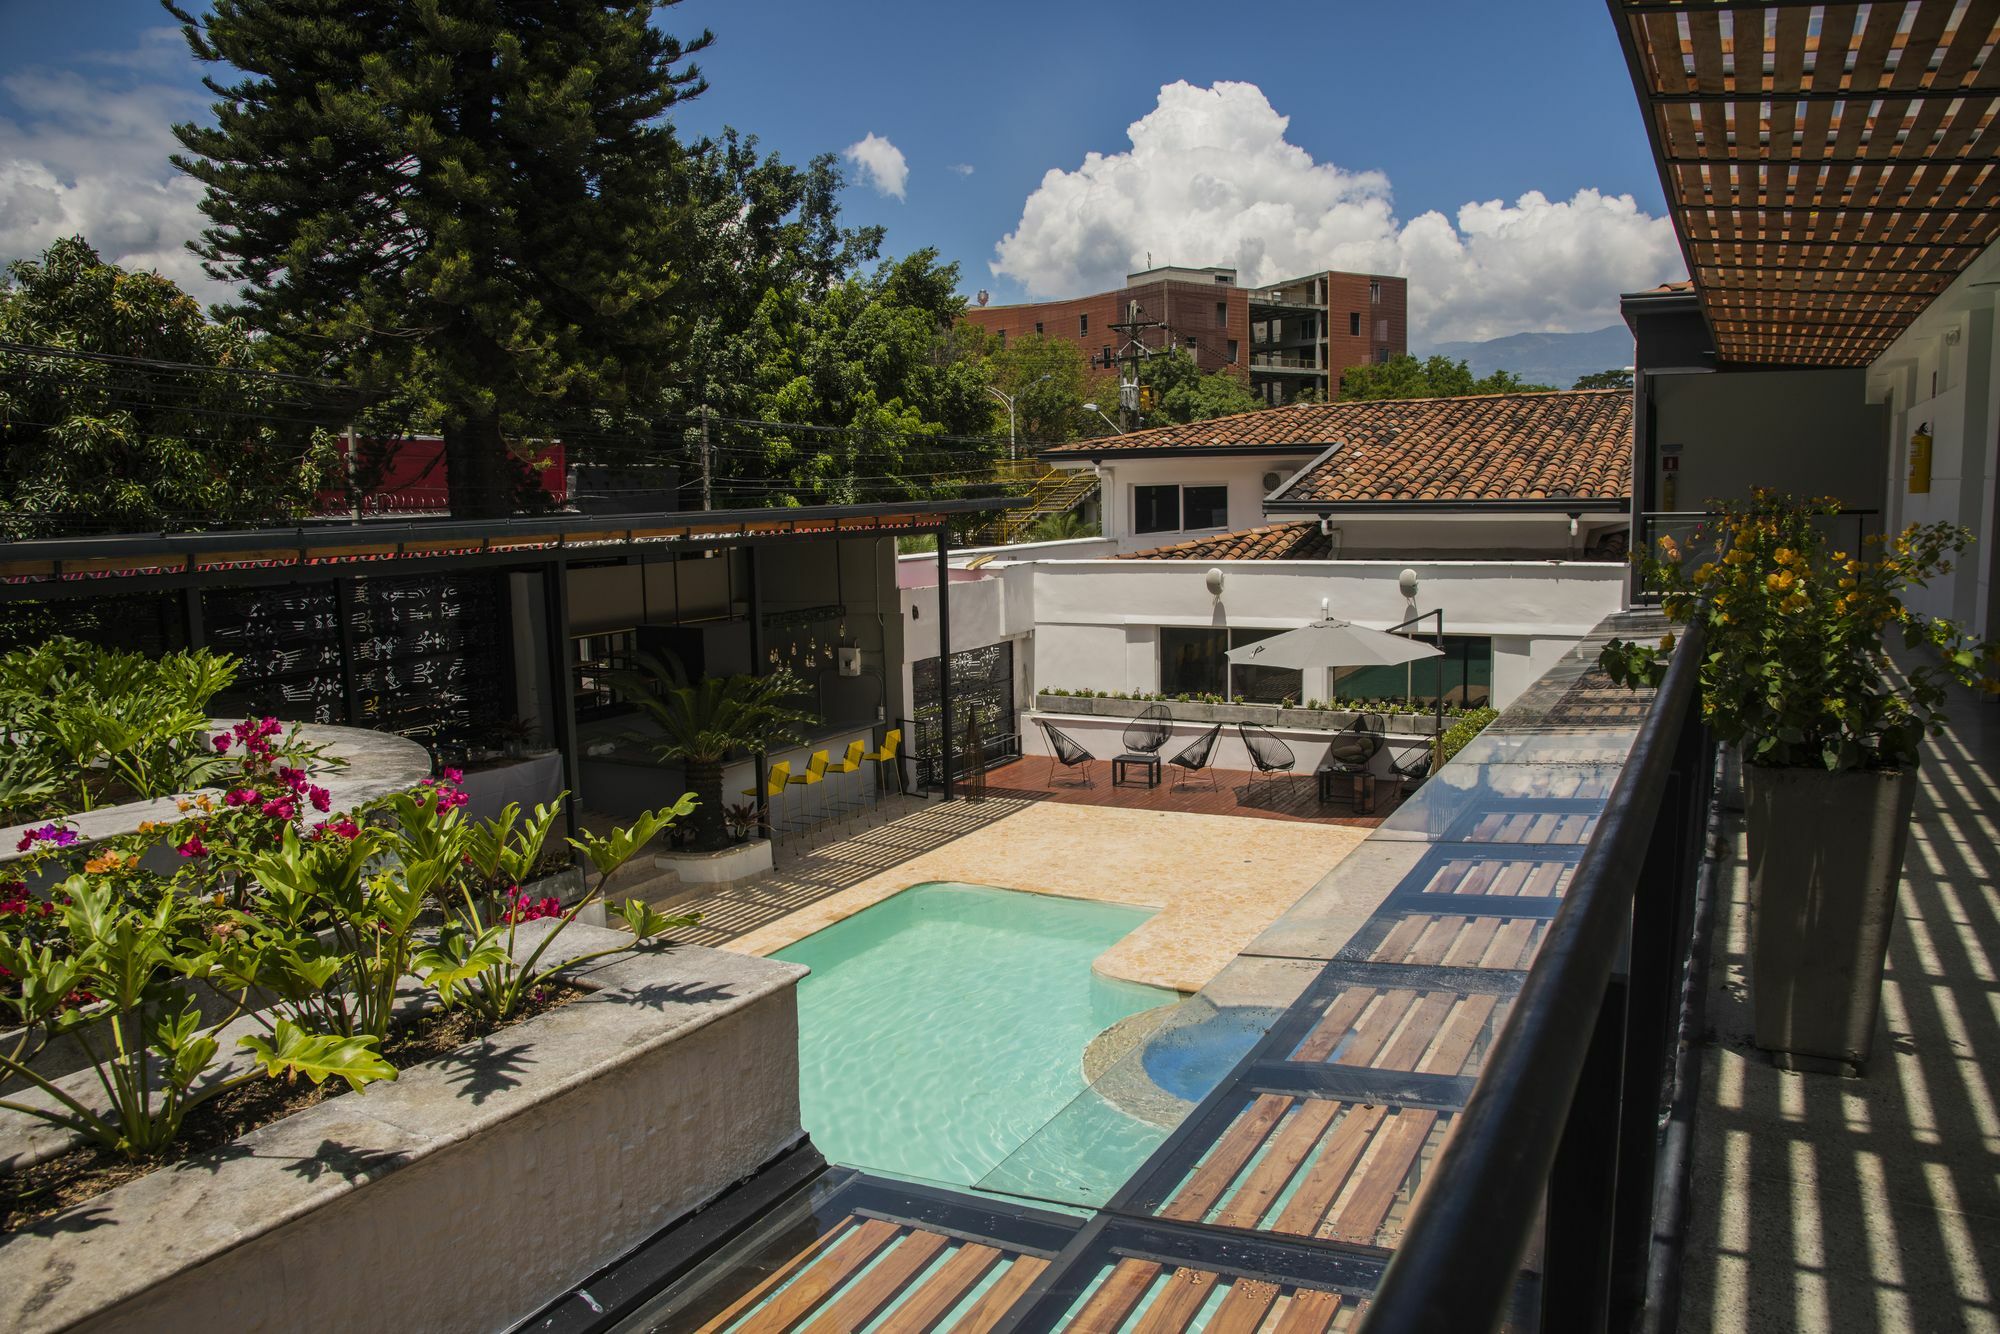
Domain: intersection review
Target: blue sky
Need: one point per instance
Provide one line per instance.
(1339, 135)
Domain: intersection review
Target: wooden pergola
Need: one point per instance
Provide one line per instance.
(1830, 167)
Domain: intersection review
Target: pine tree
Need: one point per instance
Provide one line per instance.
(467, 196)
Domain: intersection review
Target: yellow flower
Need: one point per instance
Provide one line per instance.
(1667, 642)
(1839, 556)
(1667, 545)
(183, 804)
(1780, 581)
(1783, 555)
(1854, 567)
(108, 861)
(1847, 581)
(1796, 602)
(1705, 572)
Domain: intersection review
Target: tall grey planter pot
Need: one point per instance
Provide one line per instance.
(1826, 854)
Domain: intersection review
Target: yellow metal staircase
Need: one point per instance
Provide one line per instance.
(1048, 491)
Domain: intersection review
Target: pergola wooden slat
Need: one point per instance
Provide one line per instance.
(1830, 167)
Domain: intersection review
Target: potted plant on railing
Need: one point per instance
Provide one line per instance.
(702, 723)
(1795, 675)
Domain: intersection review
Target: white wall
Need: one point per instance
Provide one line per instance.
(1944, 370)
(1096, 623)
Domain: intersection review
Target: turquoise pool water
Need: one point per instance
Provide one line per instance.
(944, 1026)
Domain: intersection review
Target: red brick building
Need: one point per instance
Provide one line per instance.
(1281, 340)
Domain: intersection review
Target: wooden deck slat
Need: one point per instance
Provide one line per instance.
(880, 1286)
(1471, 944)
(1511, 945)
(1382, 1176)
(1000, 1298)
(1289, 1148)
(1330, 1170)
(1309, 1312)
(1244, 1309)
(1426, 1018)
(1333, 1026)
(1460, 1032)
(777, 1276)
(1374, 1030)
(798, 1301)
(1115, 1297)
(1174, 1307)
(1238, 1145)
(920, 1312)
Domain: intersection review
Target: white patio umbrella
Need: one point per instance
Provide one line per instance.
(1333, 643)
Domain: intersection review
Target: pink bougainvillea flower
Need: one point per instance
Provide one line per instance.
(243, 796)
(194, 847)
(222, 741)
(281, 808)
(454, 775)
(322, 800)
(48, 833)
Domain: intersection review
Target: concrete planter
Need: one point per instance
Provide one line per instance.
(467, 1194)
(1826, 856)
(1263, 715)
(717, 868)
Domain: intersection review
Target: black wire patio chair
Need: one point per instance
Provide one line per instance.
(1268, 755)
(1065, 750)
(1411, 768)
(1194, 757)
(1148, 732)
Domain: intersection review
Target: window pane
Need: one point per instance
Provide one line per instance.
(1205, 507)
(1263, 685)
(1467, 670)
(1191, 661)
(1156, 509)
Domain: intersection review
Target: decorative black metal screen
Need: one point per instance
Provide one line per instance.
(426, 656)
(982, 680)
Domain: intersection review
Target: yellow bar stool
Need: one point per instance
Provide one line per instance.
(775, 782)
(814, 775)
(892, 740)
(850, 764)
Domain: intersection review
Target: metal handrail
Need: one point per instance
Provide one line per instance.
(1459, 1259)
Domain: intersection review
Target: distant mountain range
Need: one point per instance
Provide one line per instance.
(1544, 358)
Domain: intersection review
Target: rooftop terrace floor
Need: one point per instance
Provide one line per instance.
(1824, 1203)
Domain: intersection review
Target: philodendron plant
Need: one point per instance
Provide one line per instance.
(117, 974)
(474, 963)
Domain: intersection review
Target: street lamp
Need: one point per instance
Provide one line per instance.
(1008, 399)
(1092, 407)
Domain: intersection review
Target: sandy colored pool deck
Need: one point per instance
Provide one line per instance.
(1216, 881)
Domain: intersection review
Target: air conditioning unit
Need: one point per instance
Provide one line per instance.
(849, 660)
(1272, 481)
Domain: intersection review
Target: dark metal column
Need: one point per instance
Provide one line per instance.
(944, 653)
(759, 774)
(562, 687)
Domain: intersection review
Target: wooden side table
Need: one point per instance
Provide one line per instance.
(1150, 763)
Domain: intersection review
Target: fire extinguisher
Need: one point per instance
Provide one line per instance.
(1920, 460)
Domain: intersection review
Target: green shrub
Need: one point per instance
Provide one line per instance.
(1469, 725)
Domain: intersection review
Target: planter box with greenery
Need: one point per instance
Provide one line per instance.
(1792, 674)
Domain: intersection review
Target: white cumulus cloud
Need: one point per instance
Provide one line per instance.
(962, 168)
(1211, 179)
(89, 156)
(881, 162)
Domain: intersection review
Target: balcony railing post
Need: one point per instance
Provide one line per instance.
(1583, 1181)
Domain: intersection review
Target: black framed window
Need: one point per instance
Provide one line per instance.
(1205, 507)
(1192, 661)
(1250, 684)
(1156, 509)
(1466, 673)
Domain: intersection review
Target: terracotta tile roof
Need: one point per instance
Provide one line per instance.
(1563, 446)
(1301, 540)
(1572, 444)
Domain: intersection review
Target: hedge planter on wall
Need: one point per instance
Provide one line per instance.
(465, 1195)
(1826, 857)
(1264, 715)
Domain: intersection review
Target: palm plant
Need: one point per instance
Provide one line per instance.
(701, 723)
(1065, 527)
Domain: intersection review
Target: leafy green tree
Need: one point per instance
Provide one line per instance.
(163, 421)
(1404, 376)
(1183, 393)
(886, 370)
(467, 195)
(1050, 380)
(1612, 379)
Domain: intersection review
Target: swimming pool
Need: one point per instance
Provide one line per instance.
(945, 1025)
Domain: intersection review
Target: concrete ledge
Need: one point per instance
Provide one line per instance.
(718, 868)
(467, 1194)
(376, 764)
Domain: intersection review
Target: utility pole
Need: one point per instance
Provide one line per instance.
(707, 502)
(1130, 355)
